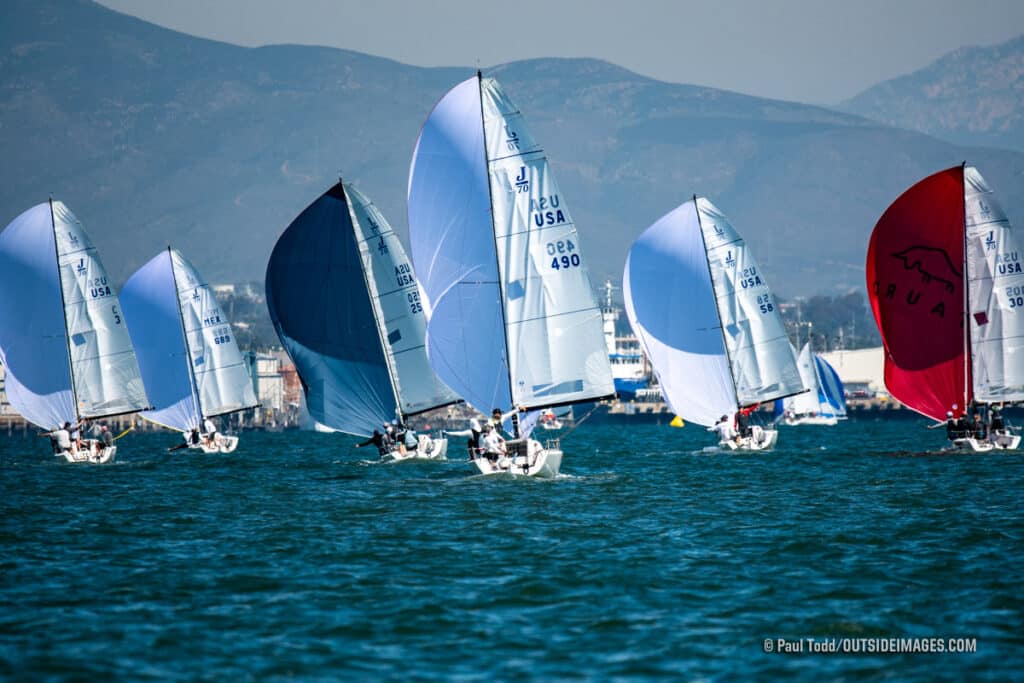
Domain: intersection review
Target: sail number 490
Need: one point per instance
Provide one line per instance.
(563, 254)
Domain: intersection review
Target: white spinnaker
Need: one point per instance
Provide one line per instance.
(222, 382)
(806, 402)
(995, 286)
(395, 296)
(556, 348)
(104, 369)
(762, 359)
(671, 306)
(452, 242)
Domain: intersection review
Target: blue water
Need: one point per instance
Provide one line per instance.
(297, 558)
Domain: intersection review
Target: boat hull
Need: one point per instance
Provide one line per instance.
(526, 458)
(760, 440)
(998, 442)
(815, 420)
(222, 444)
(88, 454)
(429, 449)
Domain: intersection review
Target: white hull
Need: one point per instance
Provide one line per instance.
(557, 424)
(429, 449)
(537, 461)
(997, 442)
(222, 444)
(817, 420)
(88, 454)
(761, 440)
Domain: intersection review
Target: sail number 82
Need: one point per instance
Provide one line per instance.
(563, 254)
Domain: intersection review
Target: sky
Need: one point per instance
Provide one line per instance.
(819, 52)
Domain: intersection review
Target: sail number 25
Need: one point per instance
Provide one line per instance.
(563, 254)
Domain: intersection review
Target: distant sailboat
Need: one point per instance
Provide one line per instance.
(945, 280)
(513, 320)
(824, 404)
(345, 302)
(63, 337)
(702, 310)
(187, 351)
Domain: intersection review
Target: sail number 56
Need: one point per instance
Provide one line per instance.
(563, 254)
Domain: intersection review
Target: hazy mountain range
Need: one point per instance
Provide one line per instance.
(153, 136)
(973, 95)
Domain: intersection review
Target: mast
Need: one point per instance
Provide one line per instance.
(373, 307)
(721, 329)
(64, 312)
(184, 335)
(968, 350)
(497, 261)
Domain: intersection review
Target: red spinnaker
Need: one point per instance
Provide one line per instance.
(916, 286)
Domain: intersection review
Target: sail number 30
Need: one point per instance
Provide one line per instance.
(563, 254)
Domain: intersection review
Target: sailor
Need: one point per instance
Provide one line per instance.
(474, 432)
(978, 427)
(997, 421)
(723, 428)
(493, 444)
(963, 428)
(410, 441)
(952, 431)
(498, 419)
(210, 432)
(60, 439)
(106, 439)
(742, 424)
(379, 440)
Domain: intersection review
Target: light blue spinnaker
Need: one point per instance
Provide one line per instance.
(189, 358)
(62, 335)
(346, 306)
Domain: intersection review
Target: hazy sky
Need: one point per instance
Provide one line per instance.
(812, 51)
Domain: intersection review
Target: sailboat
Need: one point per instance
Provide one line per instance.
(513, 320)
(702, 309)
(63, 337)
(945, 280)
(824, 404)
(346, 305)
(187, 351)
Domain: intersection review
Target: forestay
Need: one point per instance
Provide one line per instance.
(63, 336)
(671, 307)
(395, 296)
(555, 340)
(452, 242)
(995, 288)
(761, 356)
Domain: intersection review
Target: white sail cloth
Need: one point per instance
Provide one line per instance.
(702, 310)
(995, 288)
(671, 307)
(63, 337)
(809, 401)
(498, 254)
(187, 351)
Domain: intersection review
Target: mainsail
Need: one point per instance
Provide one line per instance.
(995, 290)
(63, 338)
(347, 307)
(187, 351)
(705, 316)
(513, 319)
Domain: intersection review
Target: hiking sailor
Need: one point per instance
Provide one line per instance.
(724, 429)
(380, 441)
(474, 433)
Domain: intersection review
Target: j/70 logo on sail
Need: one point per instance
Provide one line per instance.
(511, 139)
(522, 182)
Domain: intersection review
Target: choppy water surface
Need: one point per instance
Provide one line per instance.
(296, 557)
